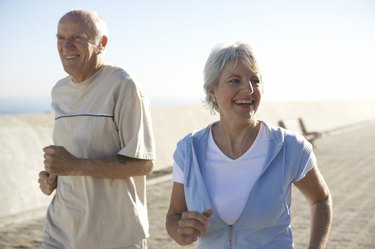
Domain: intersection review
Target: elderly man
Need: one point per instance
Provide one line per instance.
(103, 146)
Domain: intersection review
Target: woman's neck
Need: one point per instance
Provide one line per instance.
(234, 140)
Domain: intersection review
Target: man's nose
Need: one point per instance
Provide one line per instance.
(69, 43)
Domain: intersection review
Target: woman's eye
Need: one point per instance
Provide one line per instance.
(255, 81)
(234, 81)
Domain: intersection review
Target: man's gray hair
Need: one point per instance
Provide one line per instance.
(93, 20)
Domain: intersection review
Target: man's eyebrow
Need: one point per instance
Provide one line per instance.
(81, 35)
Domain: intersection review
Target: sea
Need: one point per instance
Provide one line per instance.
(42, 104)
(24, 105)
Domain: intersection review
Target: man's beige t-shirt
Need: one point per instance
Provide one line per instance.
(105, 115)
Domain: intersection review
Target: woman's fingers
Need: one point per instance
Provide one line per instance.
(194, 223)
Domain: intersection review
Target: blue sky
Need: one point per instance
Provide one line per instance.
(308, 50)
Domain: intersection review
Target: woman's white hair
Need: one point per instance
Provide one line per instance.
(220, 56)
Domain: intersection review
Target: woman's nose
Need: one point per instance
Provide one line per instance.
(249, 86)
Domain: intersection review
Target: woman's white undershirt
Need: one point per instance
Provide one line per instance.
(229, 181)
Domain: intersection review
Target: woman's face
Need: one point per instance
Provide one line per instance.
(238, 93)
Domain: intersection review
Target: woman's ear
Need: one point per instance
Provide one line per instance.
(212, 95)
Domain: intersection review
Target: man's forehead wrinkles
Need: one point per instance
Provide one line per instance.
(73, 34)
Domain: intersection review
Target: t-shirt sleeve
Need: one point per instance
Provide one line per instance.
(133, 117)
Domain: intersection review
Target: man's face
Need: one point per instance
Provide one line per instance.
(77, 49)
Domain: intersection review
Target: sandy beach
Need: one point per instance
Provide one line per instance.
(347, 161)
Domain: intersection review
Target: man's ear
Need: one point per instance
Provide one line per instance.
(103, 43)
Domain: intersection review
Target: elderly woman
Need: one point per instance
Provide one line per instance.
(233, 179)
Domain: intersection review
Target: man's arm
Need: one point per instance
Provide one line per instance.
(58, 161)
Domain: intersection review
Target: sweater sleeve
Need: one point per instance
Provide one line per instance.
(299, 156)
(181, 158)
(178, 174)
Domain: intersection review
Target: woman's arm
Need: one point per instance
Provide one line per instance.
(316, 191)
(183, 226)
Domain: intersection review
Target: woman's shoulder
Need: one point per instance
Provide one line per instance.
(197, 135)
(284, 136)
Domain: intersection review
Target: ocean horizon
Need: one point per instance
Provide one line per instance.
(24, 105)
(18, 105)
(42, 104)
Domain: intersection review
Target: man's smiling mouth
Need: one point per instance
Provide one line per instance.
(71, 57)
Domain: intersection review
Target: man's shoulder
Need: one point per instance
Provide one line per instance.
(63, 81)
(115, 71)
(119, 75)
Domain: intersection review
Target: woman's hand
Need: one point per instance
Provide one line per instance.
(182, 225)
(192, 225)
